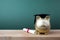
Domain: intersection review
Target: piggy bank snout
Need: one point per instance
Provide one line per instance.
(43, 25)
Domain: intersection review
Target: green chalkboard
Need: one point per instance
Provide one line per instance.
(18, 14)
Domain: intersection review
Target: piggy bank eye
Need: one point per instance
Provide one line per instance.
(47, 17)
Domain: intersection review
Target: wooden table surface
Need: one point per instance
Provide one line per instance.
(21, 35)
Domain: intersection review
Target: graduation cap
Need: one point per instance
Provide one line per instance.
(41, 15)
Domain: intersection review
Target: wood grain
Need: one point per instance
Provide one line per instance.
(21, 35)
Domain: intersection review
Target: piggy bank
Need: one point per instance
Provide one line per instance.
(42, 24)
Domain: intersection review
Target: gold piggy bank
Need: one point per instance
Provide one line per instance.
(42, 24)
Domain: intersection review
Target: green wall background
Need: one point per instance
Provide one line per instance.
(18, 14)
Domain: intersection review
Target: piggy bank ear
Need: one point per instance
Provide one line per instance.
(47, 17)
(37, 17)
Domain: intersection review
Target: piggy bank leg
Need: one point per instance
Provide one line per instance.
(37, 32)
(40, 33)
(46, 33)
